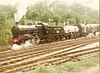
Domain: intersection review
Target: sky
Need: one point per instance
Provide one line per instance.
(91, 3)
(94, 4)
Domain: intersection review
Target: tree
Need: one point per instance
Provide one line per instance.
(56, 20)
(3, 17)
(39, 12)
(60, 12)
(6, 21)
(10, 10)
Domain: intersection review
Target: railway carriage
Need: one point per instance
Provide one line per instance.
(71, 31)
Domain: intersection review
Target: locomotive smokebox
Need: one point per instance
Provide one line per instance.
(15, 30)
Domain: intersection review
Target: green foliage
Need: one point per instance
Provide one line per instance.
(56, 19)
(60, 12)
(10, 10)
(41, 69)
(5, 30)
(6, 22)
(71, 20)
(38, 12)
(3, 17)
(90, 62)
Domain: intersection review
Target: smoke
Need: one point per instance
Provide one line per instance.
(22, 8)
(28, 44)
(20, 13)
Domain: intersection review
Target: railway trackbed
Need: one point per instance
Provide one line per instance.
(47, 54)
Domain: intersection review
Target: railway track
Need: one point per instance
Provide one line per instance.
(12, 61)
(51, 60)
(50, 45)
(7, 55)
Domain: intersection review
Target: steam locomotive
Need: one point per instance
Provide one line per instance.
(42, 32)
(37, 33)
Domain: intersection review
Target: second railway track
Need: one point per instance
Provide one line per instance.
(12, 61)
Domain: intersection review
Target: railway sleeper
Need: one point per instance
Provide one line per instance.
(2, 70)
(76, 58)
(29, 68)
(23, 68)
(10, 62)
(20, 65)
(5, 68)
(61, 61)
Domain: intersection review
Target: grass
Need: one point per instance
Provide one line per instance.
(69, 67)
(80, 65)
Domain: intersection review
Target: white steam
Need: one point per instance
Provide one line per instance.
(22, 8)
(22, 4)
(20, 13)
(25, 45)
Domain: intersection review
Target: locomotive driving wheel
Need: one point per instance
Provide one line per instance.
(35, 40)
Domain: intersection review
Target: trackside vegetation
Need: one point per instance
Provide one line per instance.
(6, 22)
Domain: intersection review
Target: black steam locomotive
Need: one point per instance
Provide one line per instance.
(43, 33)
(37, 33)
